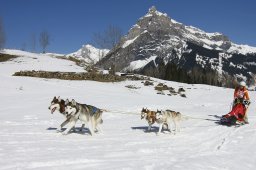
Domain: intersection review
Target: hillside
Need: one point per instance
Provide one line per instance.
(34, 61)
(28, 137)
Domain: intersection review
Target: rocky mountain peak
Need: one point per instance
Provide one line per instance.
(154, 12)
(151, 22)
(157, 40)
(152, 9)
(89, 54)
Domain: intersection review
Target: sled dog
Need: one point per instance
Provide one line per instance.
(85, 113)
(59, 105)
(150, 117)
(166, 117)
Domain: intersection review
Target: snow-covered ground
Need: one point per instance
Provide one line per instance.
(28, 137)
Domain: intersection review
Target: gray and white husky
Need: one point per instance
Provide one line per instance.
(85, 113)
(167, 116)
(58, 104)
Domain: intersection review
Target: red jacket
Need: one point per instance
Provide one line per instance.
(238, 111)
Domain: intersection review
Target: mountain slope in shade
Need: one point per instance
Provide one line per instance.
(156, 38)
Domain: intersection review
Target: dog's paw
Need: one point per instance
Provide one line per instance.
(58, 130)
(97, 131)
(74, 130)
(158, 133)
(174, 133)
(64, 133)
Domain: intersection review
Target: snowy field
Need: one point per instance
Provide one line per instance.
(28, 137)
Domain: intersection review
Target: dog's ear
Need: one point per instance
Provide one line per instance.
(59, 99)
(66, 102)
(73, 102)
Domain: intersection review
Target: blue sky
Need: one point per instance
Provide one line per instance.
(72, 23)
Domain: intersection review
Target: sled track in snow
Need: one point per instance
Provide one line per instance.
(227, 138)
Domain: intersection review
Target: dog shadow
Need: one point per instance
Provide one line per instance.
(216, 120)
(215, 116)
(75, 130)
(145, 129)
(51, 128)
(212, 120)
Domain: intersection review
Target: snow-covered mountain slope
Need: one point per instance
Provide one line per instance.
(156, 39)
(89, 54)
(34, 61)
(28, 137)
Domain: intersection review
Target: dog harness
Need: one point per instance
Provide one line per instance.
(92, 109)
(62, 106)
(151, 117)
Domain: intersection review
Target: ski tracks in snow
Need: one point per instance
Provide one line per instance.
(233, 135)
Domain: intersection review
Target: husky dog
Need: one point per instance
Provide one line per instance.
(85, 113)
(166, 116)
(59, 105)
(150, 116)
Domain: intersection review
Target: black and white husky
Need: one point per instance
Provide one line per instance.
(167, 116)
(85, 113)
(58, 104)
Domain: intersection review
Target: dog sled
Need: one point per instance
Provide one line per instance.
(237, 114)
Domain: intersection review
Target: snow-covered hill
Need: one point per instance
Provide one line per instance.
(28, 137)
(89, 54)
(34, 61)
(157, 39)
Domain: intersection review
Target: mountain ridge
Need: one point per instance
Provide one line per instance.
(156, 37)
(89, 54)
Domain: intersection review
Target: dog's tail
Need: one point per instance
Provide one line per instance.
(184, 117)
(100, 117)
(103, 110)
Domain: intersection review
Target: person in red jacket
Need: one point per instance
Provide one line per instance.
(241, 94)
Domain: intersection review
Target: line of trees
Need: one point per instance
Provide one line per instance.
(109, 38)
(44, 39)
(44, 42)
(196, 75)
